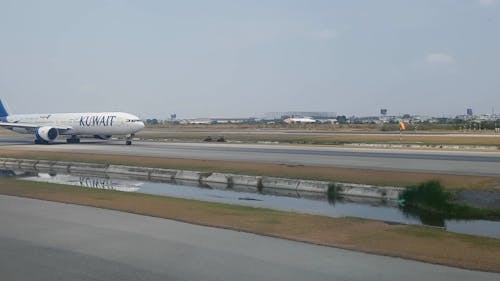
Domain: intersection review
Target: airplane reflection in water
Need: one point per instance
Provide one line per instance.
(84, 181)
(131, 184)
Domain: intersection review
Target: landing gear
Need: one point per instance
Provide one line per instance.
(73, 139)
(129, 139)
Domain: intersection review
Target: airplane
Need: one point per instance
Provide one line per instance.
(299, 120)
(48, 127)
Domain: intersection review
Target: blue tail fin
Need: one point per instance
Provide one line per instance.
(3, 112)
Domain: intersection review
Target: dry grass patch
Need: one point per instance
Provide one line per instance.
(419, 243)
(318, 138)
(6, 132)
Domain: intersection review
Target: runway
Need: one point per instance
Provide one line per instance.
(42, 240)
(448, 162)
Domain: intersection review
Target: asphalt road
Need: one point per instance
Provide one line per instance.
(42, 240)
(451, 162)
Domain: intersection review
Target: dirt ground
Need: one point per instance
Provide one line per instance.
(412, 242)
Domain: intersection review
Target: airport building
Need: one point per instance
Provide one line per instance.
(311, 114)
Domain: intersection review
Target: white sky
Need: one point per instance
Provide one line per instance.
(243, 58)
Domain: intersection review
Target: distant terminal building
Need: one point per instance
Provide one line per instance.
(293, 114)
(469, 112)
(208, 121)
(383, 116)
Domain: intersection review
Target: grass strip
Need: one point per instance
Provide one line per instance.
(412, 242)
(329, 139)
(334, 174)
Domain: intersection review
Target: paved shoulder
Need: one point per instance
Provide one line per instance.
(47, 241)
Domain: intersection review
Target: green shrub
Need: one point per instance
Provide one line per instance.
(433, 204)
(429, 194)
(333, 192)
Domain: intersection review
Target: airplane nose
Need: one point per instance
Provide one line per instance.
(140, 125)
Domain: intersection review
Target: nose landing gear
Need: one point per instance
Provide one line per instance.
(129, 139)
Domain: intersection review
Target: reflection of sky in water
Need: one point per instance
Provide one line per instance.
(299, 205)
(478, 227)
(370, 209)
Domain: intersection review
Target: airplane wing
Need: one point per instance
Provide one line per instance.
(31, 127)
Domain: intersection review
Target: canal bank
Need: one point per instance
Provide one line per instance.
(211, 179)
(188, 187)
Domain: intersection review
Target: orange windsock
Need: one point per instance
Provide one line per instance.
(402, 126)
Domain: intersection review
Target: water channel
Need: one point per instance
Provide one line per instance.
(286, 200)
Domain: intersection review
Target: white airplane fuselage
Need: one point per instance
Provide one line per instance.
(299, 120)
(81, 124)
(46, 128)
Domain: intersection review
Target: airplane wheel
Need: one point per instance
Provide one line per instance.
(128, 143)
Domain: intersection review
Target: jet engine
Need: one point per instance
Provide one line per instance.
(46, 135)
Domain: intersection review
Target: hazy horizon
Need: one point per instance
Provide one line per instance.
(246, 58)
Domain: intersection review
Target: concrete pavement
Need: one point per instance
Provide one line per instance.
(52, 241)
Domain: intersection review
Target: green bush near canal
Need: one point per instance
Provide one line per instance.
(432, 203)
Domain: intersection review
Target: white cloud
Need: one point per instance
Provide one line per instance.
(326, 34)
(439, 58)
(488, 3)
